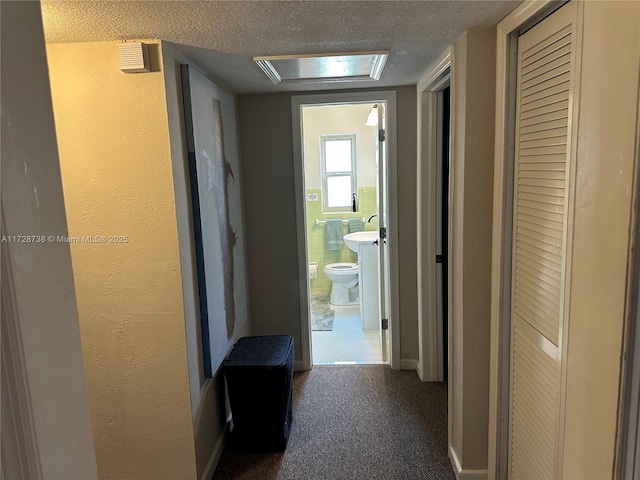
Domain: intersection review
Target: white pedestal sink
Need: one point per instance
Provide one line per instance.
(353, 240)
(362, 244)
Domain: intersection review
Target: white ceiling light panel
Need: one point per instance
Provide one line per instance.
(324, 67)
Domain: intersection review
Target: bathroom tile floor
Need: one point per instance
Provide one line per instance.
(347, 343)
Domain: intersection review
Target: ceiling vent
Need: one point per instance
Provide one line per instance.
(324, 67)
(133, 57)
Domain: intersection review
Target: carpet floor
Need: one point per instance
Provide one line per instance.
(356, 422)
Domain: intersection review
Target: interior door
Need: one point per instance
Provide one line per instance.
(383, 250)
(541, 225)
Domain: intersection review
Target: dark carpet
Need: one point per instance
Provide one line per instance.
(356, 422)
(321, 314)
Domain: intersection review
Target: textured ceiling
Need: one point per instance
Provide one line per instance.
(223, 36)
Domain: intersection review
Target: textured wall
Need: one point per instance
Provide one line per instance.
(117, 177)
(269, 192)
(473, 110)
(37, 280)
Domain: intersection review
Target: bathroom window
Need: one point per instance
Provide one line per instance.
(338, 163)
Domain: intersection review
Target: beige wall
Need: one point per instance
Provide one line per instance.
(267, 163)
(117, 176)
(38, 294)
(407, 225)
(473, 111)
(606, 167)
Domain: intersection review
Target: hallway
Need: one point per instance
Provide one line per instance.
(356, 422)
(133, 259)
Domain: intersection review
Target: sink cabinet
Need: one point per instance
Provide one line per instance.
(368, 281)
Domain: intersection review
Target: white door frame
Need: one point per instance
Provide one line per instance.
(628, 461)
(429, 182)
(19, 432)
(508, 30)
(297, 101)
(628, 444)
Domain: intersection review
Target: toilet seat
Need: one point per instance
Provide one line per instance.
(344, 268)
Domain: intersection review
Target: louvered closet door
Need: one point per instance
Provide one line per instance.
(545, 69)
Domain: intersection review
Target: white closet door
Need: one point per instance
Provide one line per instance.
(545, 70)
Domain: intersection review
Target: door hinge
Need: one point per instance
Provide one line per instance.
(383, 232)
(385, 324)
(382, 135)
(439, 259)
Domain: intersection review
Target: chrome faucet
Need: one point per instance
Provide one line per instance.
(371, 218)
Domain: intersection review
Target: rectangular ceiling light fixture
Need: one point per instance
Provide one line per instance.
(324, 67)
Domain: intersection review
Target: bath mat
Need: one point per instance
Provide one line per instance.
(321, 314)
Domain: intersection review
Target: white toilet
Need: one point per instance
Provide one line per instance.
(344, 278)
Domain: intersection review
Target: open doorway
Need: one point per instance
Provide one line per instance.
(433, 222)
(340, 144)
(348, 253)
(444, 227)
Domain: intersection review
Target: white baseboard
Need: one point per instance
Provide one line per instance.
(472, 475)
(455, 463)
(462, 474)
(217, 452)
(408, 364)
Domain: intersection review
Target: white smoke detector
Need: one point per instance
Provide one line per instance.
(133, 57)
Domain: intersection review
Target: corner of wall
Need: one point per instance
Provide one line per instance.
(473, 120)
(461, 473)
(45, 392)
(116, 165)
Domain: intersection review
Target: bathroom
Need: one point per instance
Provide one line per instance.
(340, 158)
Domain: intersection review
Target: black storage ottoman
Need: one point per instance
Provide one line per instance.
(259, 375)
